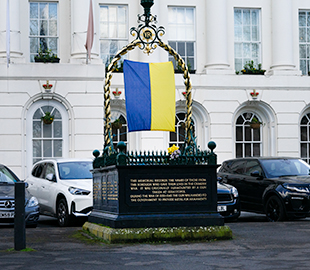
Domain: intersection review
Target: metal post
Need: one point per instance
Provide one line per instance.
(19, 219)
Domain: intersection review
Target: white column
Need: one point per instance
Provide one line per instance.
(80, 11)
(15, 51)
(282, 39)
(2, 29)
(216, 38)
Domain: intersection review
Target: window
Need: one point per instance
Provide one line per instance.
(252, 166)
(305, 138)
(49, 169)
(47, 139)
(119, 132)
(181, 29)
(113, 31)
(43, 29)
(248, 139)
(304, 41)
(37, 171)
(178, 137)
(238, 166)
(247, 37)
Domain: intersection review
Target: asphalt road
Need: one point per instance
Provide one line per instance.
(257, 244)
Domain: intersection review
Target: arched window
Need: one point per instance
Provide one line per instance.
(178, 137)
(248, 137)
(119, 128)
(47, 138)
(305, 138)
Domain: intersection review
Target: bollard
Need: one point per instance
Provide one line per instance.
(19, 219)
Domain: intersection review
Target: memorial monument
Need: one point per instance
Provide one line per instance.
(136, 190)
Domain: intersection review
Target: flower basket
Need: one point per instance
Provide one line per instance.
(46, 56)
(117, 124)
(40, 60)
(255, 125)
(48, 121)
(250, 69)
(47, 118)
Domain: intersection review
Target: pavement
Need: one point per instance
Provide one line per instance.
(257, 244)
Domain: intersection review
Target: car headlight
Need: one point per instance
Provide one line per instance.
(303, 189)
(78, 191)
(234, 192)
(33, 201)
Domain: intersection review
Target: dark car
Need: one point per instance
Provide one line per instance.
(276, 186)
(228, 201)
(7, 201)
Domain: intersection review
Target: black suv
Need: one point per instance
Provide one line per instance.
(276, 186)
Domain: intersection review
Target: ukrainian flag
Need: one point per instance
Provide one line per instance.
(150, 95)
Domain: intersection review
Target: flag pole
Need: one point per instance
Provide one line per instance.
(8, 30)
(90, 32)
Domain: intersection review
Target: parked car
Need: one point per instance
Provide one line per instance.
(276, 186)
(63, 188)
(7, 200)
(228, 201)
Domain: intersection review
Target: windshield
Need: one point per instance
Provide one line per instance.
(284, 167)
(75, 170)
(6, 177)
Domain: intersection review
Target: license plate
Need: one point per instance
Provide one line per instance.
(221, 208)
(6, 214)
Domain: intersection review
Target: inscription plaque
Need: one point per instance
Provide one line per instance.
(167, 190)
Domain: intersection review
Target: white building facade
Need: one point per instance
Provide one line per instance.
(215, 38)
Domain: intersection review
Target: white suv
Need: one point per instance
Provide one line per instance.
(63, 188)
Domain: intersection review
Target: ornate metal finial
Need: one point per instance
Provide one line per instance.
(147, 32)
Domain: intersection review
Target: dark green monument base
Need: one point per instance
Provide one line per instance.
(161, 220)
(155, 196)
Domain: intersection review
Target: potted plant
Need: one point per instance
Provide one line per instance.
(255, 123)
(47, 118)
(178, 68)
(249, 68)
(118, 123)
(46, 56)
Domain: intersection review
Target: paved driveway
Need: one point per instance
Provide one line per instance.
(257, 244)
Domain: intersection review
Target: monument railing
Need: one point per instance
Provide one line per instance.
(190, 156)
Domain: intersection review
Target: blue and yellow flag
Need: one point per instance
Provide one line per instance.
(150, 96)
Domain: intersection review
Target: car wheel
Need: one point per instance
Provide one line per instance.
(63, 217)
(275, 209)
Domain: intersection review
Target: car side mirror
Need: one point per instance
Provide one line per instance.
(26, 185)
(256, 174)
(51, 177)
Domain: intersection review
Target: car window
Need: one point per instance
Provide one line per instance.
(75, 170)
(6, 177)
(285, 167)
(238, 166)
(37, 170)
(231, 166)
(50, 169)
(252, 166)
